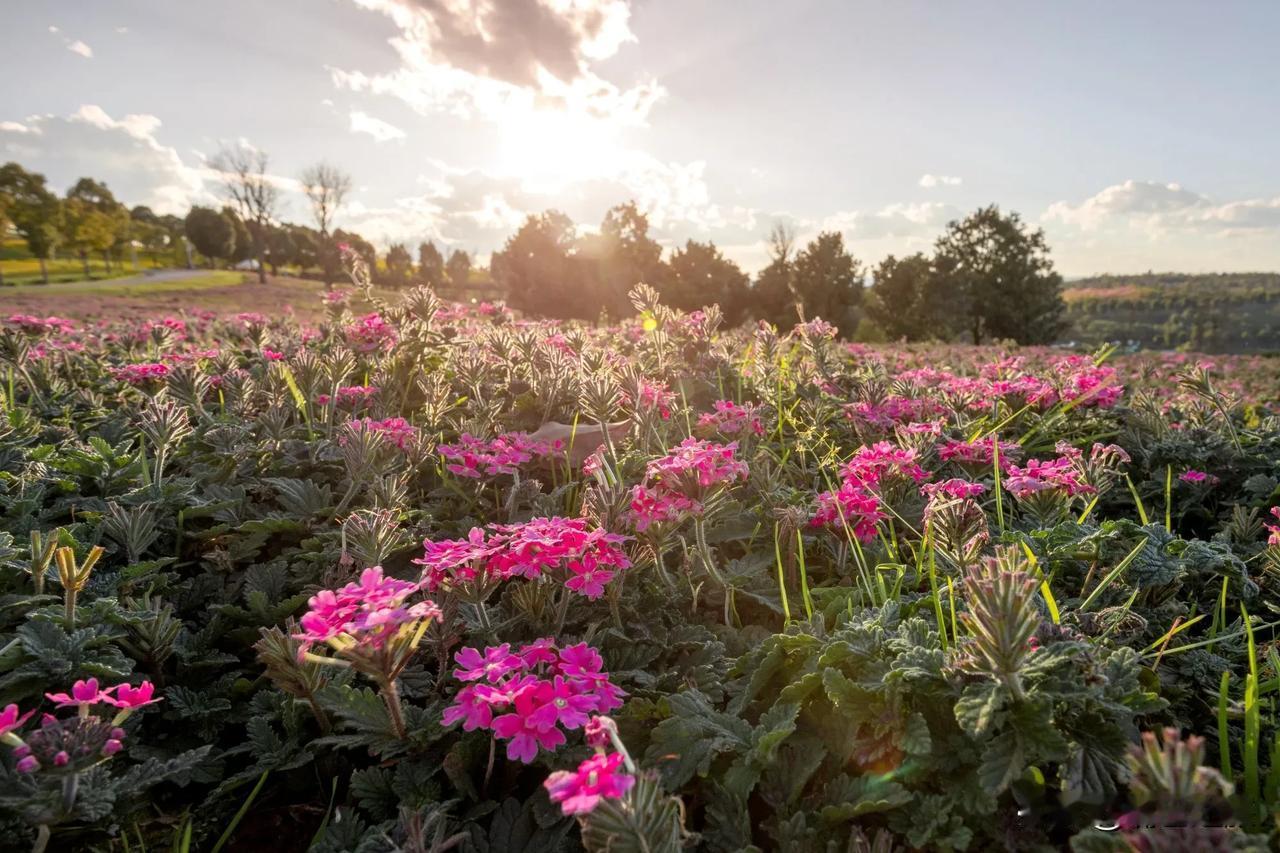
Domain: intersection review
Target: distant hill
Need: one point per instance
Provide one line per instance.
(1219, 312)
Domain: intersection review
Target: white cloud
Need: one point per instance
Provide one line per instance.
(931, 181)
(124, 152)
(362, 122)
(1139, 225)
(477, 57)
(1160, 209)
(81, 49)
(912, 222)
(122, 30)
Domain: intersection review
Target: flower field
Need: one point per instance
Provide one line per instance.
(432, 577)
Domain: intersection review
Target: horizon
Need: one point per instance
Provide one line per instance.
(1147, 154)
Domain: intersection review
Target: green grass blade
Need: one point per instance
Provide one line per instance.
(239, 815)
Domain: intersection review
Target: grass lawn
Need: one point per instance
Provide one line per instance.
(18, 267)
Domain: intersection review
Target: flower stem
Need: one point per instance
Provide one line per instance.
(391, 696)
(70, 786)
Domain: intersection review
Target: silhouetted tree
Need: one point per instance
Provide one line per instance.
(430, 264)
(243, 250)
(1000, 275)
(621, 256)
(399, 264)
(698, 274)
(94, 220)
(539, 271)
(828, 282)
(898, 301)
(459, 268)
(772, 296)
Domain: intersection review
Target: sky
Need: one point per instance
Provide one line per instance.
(1139, 135)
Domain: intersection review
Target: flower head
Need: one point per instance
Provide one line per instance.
(597, 778)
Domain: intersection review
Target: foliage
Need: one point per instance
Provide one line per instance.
(385, 576)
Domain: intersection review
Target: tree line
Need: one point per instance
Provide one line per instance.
(989, 276)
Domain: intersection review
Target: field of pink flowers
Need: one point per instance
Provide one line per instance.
(438, 578)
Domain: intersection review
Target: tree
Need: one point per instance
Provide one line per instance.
(430, 264)
(539, 270)
(772, 297)
(999, 273)
(243, 250)
(901, 298)
(828, 282)
(459, 268)
(623, 255)
(698, 274)
(94, 220)
(326, 188)
(34, 211)
(280, 247)
(148, 231)
(399, 264)
(254, 193)
(211, 232)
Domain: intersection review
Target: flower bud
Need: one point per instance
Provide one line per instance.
(28, 764)
(111, 747)
(61, 759)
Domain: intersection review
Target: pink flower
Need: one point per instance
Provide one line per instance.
(1274, 529)
(272, 355)
(128, 696)
(731, 420)
(496, 662)
(485, 458)
(1193, 476)
(561, 702)
(540, 692)
(141, 374)
(597, 778)
(371, 333)
(10, 719)
(369, 612)
(84, 692)
(397, 431)
(954, 488)
(852, 506)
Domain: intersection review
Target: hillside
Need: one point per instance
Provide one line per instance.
(1223, 312)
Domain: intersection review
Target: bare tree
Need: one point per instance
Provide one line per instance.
(254, 193)
(326, 187)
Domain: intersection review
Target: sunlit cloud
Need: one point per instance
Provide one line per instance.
(931, 181)
(362, 122)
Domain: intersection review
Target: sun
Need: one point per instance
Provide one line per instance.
(550, 149)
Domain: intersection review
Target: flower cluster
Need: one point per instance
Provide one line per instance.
(598, 777)
(397, 431)
(882, 465)
(530, 697)
(695, 466)
(1057, 475)
(141, 374)
(349, 396)
(954, 488)
(367, 613)
(850, 505)
(979, 452)
(678, 484)
(651, 396)
(1274, 529)
(76, 743)
(371, 333)
(585, 558)
(33, 325)
(731, 420)
(479, 458)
